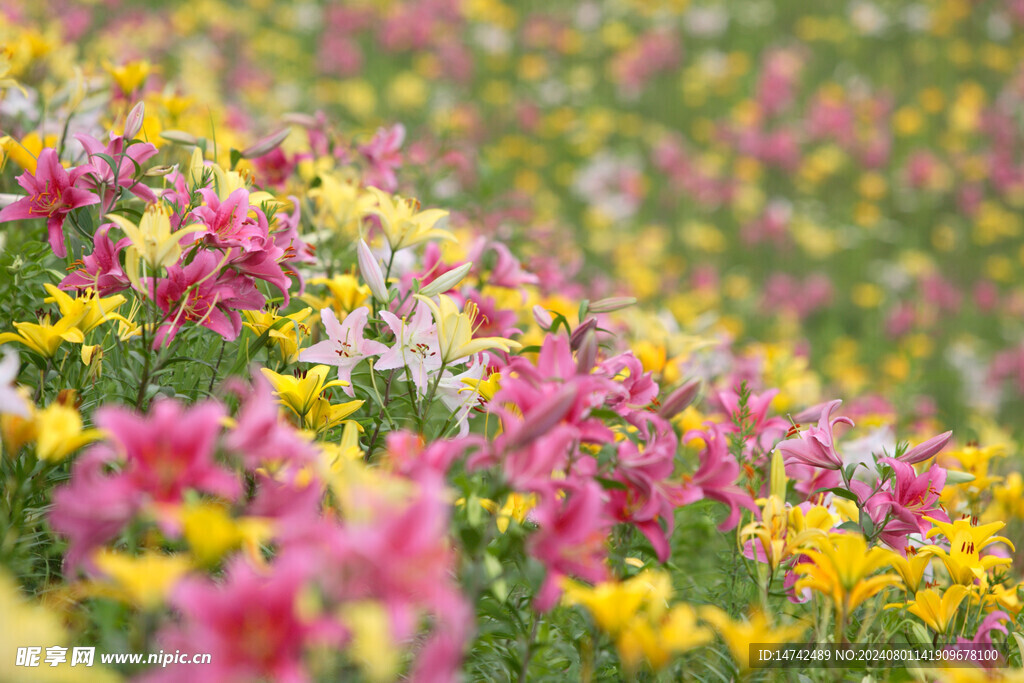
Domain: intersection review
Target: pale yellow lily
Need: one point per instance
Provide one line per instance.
(455, 330)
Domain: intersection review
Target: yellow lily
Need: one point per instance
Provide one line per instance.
(151, 239)
(403, 223)
(89, 308)
(936, 612)
(145, 580)
(346, 294)
(657, 640)
(26, 152)
(963, 560)
(840, 568)
(44, 338)
(287, 338)
(324, 415)
(487, 388)
(211, 532)
(911, 569)
(129, 77)
(455, 330)
(739, 634)
(59, 432)
(300, 394)
(774, 535)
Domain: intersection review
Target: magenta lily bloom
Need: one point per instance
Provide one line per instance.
(198, 293)
(52, 195)
(716, 477)
(101, 270)
(228, 223)
(815, 447)
(102, 173)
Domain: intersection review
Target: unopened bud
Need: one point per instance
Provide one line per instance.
(158, 171)
(544, 416)
(300, 119)
(369, 268)
(179, 137)
(133, 122)
(542, 316)
(266, 144)
(923, 451)
(448, 281)
(680, 399)
(614, 303)
(586, 356)
(580, 332)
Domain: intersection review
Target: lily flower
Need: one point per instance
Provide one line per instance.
(841, 567)
(300, 394)
(404, 225)
(455, 330)
(44, 338)
(963, 559)
(88, 308)
(59, 432)
(758, 628)
(52, 195)
(937, 613)
(816, 447)
(416, 346)
(345, 346)
(151, 239)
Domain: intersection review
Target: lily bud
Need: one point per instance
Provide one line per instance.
(586, 356)
(179, 137)
(369, 267)
(299, 119)
(923, 451)
(133, 122)
(158, 171)
(542, 316)
(448, 281)
(679, 399)
(614, 303)
(545, 415)
(577, 335)
(778, 481)
(266, 144)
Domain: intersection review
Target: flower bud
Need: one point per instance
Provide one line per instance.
(679, 399)
(577, 335)
(923, 451)
(448, 281)
(266, 145)
(586, 356)
(544, 416)
(133, 122)
(369, 268)
(179, 137)
(614, 303)
(542, 316)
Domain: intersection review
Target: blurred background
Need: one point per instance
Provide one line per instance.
(837, 185)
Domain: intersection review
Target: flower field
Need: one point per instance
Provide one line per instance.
(496, 340)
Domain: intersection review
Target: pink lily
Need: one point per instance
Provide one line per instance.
(345, 346)
(383, 154)
(815, 447)
(51, 194)
(202, 292)
(416, 347)
(101, 270)
(102, 174)
(716, 477)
